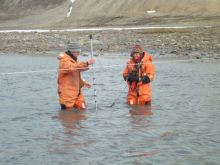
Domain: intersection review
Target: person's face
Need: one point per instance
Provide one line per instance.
(75, 54)
(136, 55)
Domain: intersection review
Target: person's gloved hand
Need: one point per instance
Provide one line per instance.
(126, 78)
(144, 80)
(131, 77)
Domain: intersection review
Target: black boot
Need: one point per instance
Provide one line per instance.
(147, 103)
(63, 106)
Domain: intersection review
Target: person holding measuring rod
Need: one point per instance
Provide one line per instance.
(70, 82)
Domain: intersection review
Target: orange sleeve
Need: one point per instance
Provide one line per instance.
(126, 71)
(72, 67)
(150, 70)
(83, 82)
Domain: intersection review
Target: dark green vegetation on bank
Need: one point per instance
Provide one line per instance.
(163, 31)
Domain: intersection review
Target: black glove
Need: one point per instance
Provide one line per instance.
(145, 79)
(133, 77)
(126, 78)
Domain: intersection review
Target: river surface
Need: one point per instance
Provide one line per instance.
(180, 127)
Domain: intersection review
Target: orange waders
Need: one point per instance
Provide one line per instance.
(139, 91)
(70, 82)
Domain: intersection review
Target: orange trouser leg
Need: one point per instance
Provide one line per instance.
(80, 102)
(143, 99)
(132, 99)
(137, 100)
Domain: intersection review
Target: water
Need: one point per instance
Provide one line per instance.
(181, 126)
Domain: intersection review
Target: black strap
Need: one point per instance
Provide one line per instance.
(69, 54)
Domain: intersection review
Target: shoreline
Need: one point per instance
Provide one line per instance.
(156, 60)
(113, 55)
(100, 29)
(197, 42)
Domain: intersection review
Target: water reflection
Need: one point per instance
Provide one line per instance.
(141, 110)
(70, 137)
(140, 119)
(180, 127)
(71, 118)
(139, 115)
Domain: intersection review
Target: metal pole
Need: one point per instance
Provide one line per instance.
(93, 73)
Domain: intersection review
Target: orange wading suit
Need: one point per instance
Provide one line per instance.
(140, 91)
(70, 82)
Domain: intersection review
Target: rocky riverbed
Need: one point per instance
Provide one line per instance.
(191, 42)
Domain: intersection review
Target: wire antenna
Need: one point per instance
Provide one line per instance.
(118, 96)
(7, 78)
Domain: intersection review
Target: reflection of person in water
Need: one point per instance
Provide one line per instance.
(139, 115)
(141, 110)
(71, 119)
(140, 125)
(72, 122)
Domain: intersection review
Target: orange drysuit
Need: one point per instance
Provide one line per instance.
(70, 82)
(140, 93)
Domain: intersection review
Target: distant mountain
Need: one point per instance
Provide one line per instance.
(92, 13)
(26, 7)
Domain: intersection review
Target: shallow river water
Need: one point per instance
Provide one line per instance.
(180, 127)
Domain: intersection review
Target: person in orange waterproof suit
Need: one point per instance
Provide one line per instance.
(138, 74)
(70, 82)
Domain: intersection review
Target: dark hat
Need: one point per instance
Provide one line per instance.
(137, 49)
(74, 47)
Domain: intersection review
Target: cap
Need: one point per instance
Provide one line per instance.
(74, 47)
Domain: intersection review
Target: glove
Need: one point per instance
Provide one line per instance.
(144, 80)
(126, 78)
(133, 77)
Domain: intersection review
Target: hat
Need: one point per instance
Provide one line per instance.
(137, 49)
(74, 47)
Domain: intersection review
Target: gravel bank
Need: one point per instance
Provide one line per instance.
(191, 42)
